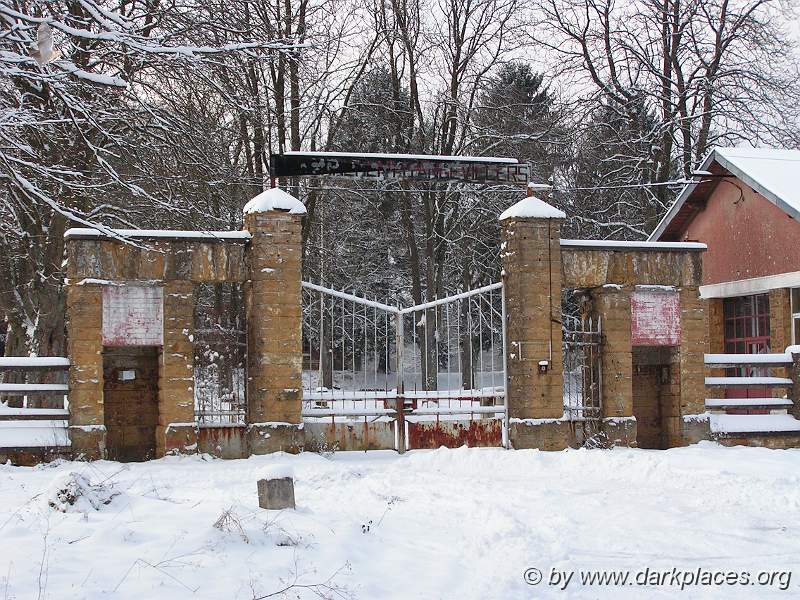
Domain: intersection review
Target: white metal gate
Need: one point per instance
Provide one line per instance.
(435, 370)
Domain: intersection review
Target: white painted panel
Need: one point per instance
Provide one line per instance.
(133, 315)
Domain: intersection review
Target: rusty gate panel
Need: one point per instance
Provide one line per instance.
(337, 435)
(223, 440)
(476, 433)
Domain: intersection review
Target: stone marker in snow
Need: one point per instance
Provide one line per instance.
(276, 490)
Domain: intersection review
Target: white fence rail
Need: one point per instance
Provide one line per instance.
(23, 423)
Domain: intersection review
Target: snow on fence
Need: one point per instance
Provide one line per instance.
(33, 411)
(743, 370)
(744, 373)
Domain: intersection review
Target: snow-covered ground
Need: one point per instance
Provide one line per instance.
(464, 523)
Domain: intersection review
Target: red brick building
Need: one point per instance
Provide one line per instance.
(745, 206)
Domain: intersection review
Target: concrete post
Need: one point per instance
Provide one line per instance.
(613, 306)
(531, 255)
(177, 431)
(274, 322)
(87, 429)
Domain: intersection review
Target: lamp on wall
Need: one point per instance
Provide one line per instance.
(543, 365)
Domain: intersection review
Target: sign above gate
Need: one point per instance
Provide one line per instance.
(133, 315)
(655, 318)
(418, 167)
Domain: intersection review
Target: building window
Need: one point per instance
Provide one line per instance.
(796, 316)
(747, 332)
(747, 324)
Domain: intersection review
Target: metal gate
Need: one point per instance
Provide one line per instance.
(583, 404)
(427, 375)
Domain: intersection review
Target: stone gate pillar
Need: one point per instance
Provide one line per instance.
(274, 323)
(176, 423)
(613, 305)
(531, 231)
(692, 425)
(87, 429)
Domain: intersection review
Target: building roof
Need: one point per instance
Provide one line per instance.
(773, 173)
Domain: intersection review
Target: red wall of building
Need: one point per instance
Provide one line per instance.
(749, 237)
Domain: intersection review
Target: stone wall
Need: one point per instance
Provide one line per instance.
(585, 266)
(176, 428)
(537, 264)
(265, 259)
(780, 319)
(274, 332)
(85, 350)
(535, 384)
(155, 259)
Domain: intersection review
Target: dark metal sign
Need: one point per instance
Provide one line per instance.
(400, 166)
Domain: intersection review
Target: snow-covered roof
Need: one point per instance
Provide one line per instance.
(89, 232)
(532, 207)
(378, 156)
(773, 173)
(275, 199)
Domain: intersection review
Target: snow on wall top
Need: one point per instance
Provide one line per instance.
(89, 232)
(532, 207)
(275, 199)
(634, 245)
(772, 172)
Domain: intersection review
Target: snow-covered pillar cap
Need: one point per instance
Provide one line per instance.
(274, 199)
(532, 208)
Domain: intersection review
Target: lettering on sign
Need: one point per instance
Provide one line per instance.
(133, 316)
(655, 318)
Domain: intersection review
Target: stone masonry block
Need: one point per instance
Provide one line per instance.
(276, 494)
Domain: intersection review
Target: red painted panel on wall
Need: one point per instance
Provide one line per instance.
(133, 316)
(655, 318)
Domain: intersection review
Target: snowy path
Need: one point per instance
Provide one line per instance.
(445, 524)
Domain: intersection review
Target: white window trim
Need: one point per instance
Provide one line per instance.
(748, 287)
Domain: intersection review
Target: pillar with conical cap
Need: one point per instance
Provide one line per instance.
(531, 254)
(274, 322)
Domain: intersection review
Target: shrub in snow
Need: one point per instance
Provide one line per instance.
(230, 522)
(72, 492)
(322, 447)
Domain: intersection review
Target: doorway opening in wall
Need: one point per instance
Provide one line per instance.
(795, 303)
(747, 331)
(130, 397)
(656, 394)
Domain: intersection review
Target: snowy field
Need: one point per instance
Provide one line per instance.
(463, 523)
